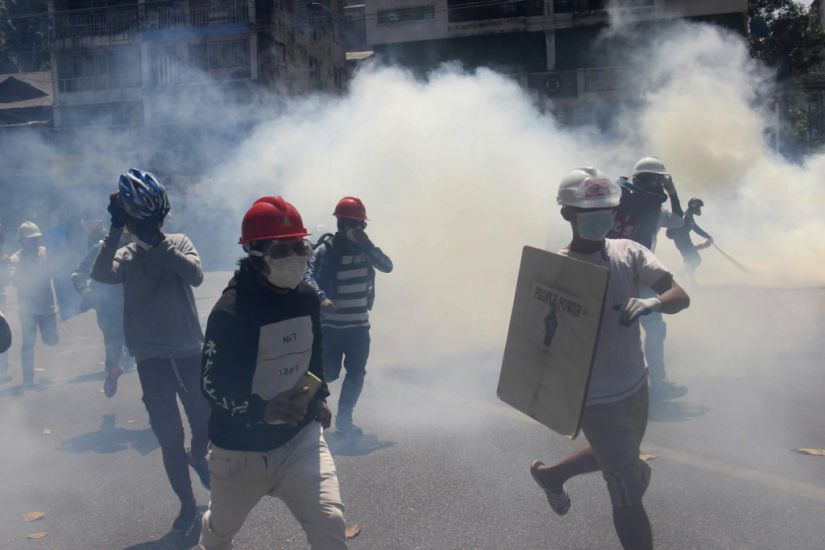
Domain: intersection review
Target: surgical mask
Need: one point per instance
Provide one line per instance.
(594, 226)
(286, 272)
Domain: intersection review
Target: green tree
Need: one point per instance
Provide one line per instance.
(786, 36)
(23, 35)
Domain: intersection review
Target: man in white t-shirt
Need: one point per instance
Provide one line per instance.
(616, 408)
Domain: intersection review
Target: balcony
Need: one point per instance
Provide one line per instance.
(579, 6)
(462, 11)
(124, 20)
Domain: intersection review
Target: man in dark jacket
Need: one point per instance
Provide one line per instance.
(262, 338)
(681, 238)
(343, 273)
(107, 301)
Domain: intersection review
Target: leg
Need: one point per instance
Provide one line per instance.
(194, 403)
(159, 386)
(28, 333)
(48, 329)
(579, 463)
(355, 362)
(615, 432)
(112, 341)
(309, 487)
(333, 352)
(655, 333)
(239, 480)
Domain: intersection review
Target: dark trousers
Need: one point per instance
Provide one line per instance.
(162, 379)
(29, 325)
(350, 346)
(110, 322)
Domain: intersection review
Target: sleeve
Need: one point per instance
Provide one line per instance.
(80, 275)
(378, 259)
(184, 260)
(220, 380)
(314, 270)
(107, 269)
(316, 363)
(649, 270)
(670, 220)
(701, 232)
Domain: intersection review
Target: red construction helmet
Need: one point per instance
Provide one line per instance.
(351, 207)
(271, 218)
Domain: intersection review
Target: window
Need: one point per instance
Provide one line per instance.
(103, 115)
(85, 70)
(225, 59)
(472, 10)
(406, 15)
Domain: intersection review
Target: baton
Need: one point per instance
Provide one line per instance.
(731, 259)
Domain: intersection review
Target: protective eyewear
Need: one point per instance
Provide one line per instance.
(283, 249)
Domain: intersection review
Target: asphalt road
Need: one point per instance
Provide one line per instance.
(444, 464)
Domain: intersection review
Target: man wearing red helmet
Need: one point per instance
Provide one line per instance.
(343, 272)
(263, 337)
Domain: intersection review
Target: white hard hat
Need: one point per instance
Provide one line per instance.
(650, 165)
(588, 188)
(28, 230)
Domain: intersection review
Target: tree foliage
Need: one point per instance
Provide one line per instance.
(23, 35)
(787, 36)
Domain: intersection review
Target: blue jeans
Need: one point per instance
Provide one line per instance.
(350, 346)
(655, 334)
(110, 322)
(29, 324)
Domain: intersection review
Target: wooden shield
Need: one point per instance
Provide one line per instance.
(552, 338)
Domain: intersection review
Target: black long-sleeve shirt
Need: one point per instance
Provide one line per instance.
(258, 343)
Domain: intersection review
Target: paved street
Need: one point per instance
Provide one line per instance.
(444, 464)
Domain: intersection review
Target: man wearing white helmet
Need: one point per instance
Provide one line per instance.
(616, 406)
(642, 212)
(35, 296)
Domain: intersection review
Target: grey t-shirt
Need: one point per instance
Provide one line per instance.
(159, 315)
(619, 366)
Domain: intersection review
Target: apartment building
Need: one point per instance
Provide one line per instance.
(142, 63)
(555, 48)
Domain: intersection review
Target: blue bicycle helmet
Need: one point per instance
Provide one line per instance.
(142, 195)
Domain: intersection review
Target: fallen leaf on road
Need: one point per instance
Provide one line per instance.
(47, 431)
(99, 391)
(33, 516)
(647, 458)
(812, 452)
(130, 421)
(352, 531)
(39, 370)
(37, 535)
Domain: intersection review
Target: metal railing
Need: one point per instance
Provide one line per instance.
(148, 17)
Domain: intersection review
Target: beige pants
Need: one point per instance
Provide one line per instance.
(301, 473)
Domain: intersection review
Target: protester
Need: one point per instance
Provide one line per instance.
(343, 272)
(4, 268)
(616, 406)
(681, 238)
(36, 307)
(5, 334)
(642, 212)
(107, 301)
(161, 325)
(262, 336)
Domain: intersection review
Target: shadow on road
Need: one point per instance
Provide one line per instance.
(111, 439)
(345, 445)
(90, 377)
(675, 411)
(41, 384)
(172, 540)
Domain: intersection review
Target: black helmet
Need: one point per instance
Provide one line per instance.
(695, 203)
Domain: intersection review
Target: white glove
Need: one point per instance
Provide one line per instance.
(636, 307)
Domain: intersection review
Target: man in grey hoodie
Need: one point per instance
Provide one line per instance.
(161, 325)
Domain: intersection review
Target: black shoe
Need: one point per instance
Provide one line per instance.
(344, 426)
(201, 467)
(664, 390)
(186, 518)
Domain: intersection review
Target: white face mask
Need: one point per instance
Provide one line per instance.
(286, 272)
(594, 226)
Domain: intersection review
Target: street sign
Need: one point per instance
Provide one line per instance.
(552, 338)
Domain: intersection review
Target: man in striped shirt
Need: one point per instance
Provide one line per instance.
(343, 272)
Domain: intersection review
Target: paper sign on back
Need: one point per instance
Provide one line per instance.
(552, 338)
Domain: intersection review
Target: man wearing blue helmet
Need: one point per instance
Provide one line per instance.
(642, 212)
(161, 325)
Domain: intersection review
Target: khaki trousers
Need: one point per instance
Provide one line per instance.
(301, 473)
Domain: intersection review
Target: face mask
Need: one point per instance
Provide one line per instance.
(594, 226)
(286, 272)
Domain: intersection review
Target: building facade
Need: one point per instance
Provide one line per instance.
(555, 48)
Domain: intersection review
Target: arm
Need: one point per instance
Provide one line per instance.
(670, 188)
(219, 374)
(701, 232)
(80, 276)
(184, 260)
(314, 271)
(106, 268)
(673, 297)
(377, 258)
